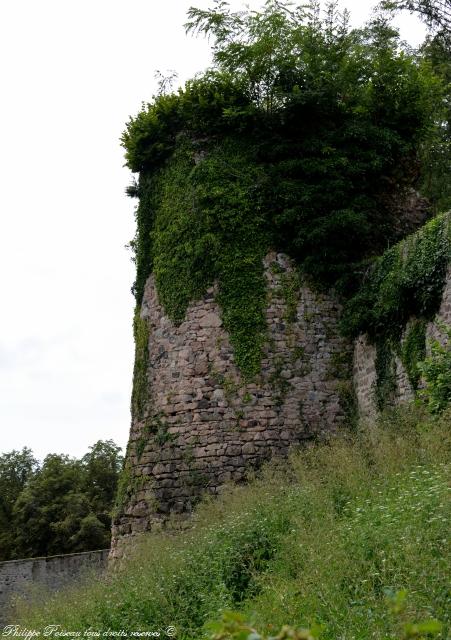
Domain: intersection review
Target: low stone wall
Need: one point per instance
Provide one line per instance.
(203, 426)
(53, 572)
(365, 361)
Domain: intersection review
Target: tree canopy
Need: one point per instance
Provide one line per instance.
(16, 468)
(332, 129)
(436, 13)
(60, 506)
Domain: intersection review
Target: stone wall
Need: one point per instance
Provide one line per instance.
(203, 426)
(365, 358)
(53, 572)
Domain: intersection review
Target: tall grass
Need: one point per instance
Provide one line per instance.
(323, 539)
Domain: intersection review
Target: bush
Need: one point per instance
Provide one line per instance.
(436, 370)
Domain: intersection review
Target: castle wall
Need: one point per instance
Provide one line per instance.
(203, 426)
(17, 577)
(364, 369)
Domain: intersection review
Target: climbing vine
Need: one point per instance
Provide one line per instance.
(290, 142)
(413, 350)
(385, 365)
(140, 389)
(436, 369)
(208, 226)
(406, 282)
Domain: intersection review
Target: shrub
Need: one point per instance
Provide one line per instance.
(436, 370)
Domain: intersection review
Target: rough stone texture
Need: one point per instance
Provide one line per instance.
(365, 376)
(203, 426)
(365, 356)
(53, 572)
(433, 331)
(404, 391)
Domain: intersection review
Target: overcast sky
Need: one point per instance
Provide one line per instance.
(72, 73)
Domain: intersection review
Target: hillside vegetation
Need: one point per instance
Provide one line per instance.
(348, 538)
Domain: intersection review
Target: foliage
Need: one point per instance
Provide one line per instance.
(50, 507)
(404, 284)
(407, 280)
(436, 50)
(435, 183)
(140, 389)
(436, 13)
(207, 227)
(436, 370)
(290, 142)
(207, 104)
(124, 487)
(413, 350)
(320, 540)
(233, 626)
(101, 467)
(385, 366)
(61, 506)
(16, 468)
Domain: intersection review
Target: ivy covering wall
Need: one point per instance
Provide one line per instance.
(401, 293)
(291, 141)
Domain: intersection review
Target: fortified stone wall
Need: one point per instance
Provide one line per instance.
(365, 361)
(53, 572)
(202, 425)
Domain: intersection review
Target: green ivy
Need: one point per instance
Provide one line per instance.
(413, 350)
(407, 280)
(140, 391)
(123, 487)
(385, 365)
(207, 226)
(291, 142)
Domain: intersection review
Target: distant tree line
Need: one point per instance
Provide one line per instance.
(60, 506)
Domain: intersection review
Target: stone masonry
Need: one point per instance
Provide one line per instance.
(365, 358)
(19, 577)
(203, 426)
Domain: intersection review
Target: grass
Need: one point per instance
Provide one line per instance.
(325, 539)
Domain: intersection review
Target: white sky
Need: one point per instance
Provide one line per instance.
(72, 72)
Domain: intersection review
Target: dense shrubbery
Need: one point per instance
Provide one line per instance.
(322, 539)
(296, 140)
(61, 506)
(234, 626)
